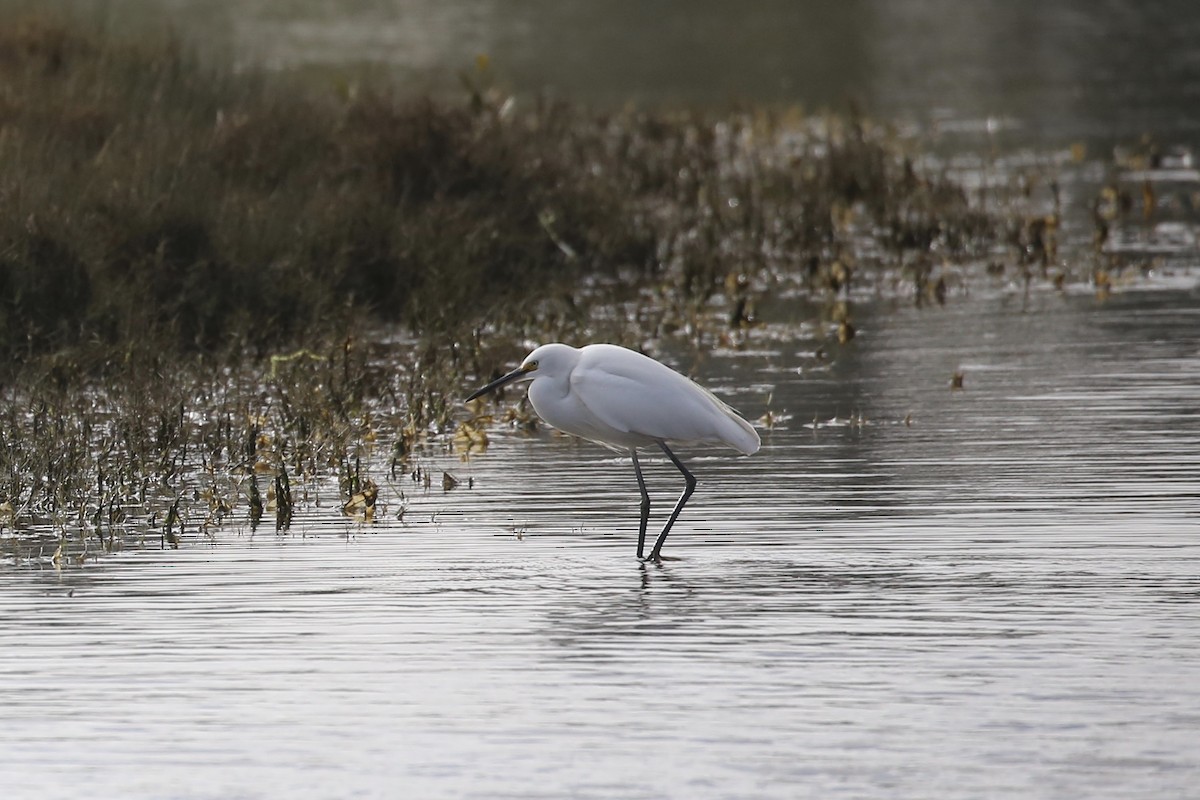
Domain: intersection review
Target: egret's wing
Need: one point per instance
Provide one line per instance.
(635, 394)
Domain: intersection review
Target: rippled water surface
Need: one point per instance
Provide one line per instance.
(928, 593)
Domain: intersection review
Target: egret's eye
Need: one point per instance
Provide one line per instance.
(531, 366)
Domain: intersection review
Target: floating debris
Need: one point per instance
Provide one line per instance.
(362, 503)
(284, 504)
(256, 504)
(470, 436)
(845, 332)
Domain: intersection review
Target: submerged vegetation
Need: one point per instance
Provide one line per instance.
(216, 288)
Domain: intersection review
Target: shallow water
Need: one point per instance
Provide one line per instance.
(930, 593)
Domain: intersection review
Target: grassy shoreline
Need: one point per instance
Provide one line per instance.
(195, 265)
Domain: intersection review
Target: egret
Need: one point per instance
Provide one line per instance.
(624, 400)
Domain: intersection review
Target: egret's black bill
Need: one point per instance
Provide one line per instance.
(496, 384)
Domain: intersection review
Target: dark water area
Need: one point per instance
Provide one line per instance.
(911, 590)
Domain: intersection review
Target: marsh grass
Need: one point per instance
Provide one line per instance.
(145, 195)
(216, 288)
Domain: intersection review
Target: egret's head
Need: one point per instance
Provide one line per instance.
(549, 359)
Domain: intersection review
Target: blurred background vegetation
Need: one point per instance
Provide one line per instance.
(149, 199)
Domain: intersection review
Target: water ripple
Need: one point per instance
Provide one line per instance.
(998, 598)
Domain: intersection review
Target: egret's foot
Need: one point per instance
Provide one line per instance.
(657, 559)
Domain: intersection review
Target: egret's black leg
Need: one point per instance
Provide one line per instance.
(683, 498)
(637, 470)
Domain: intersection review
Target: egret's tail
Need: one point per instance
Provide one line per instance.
(736, 432)
(741, 435)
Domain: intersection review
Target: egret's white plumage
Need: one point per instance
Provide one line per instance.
(625, 400)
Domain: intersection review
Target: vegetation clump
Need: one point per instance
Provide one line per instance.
(145, 195)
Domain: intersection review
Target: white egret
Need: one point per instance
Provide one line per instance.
(625, 400)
